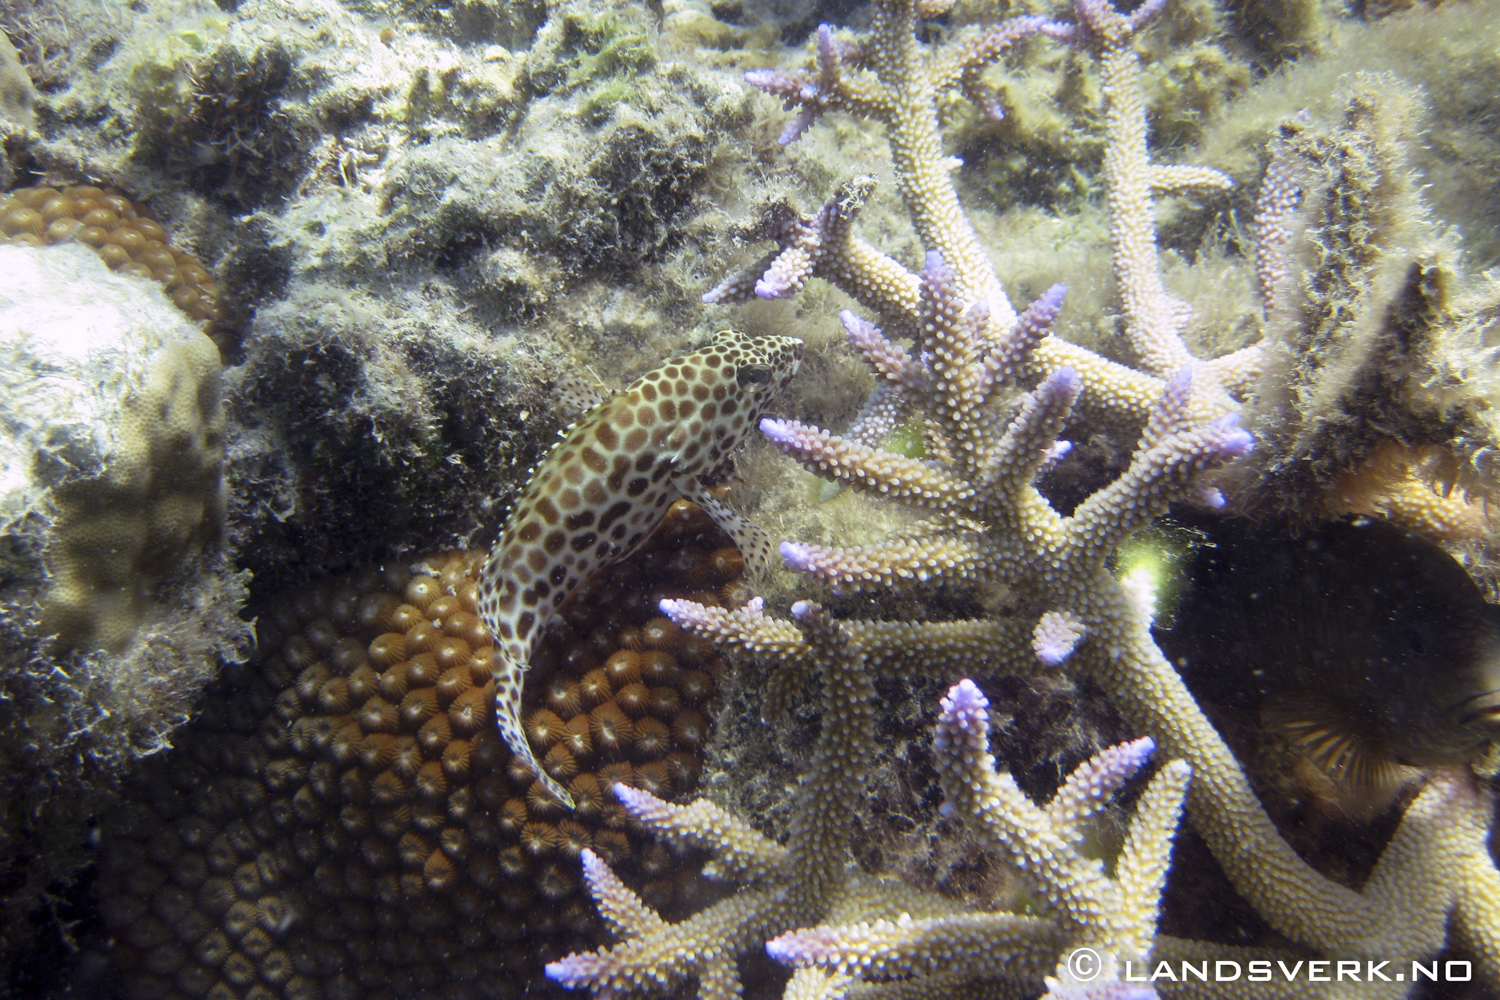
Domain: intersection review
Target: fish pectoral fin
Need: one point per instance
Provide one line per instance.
(1338, 742)
(756, 546)
(673, 445)
(577, 395)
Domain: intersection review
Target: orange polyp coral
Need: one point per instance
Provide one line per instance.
(697, 686)
(544, 727)
(470, 710)
(513, 815)
(610, 728)
(422, 591)
(588, 795)
(634, 700)
(418, 706)
(402, 810)
(689, 729)
(661, 633)
(595, 689)
(387, 650)
(622, 668)
(422, 670)
(124, 237)
(539, 839)
(378, 716)
(658, 667)
(618, 772)
(423, 637)
(559, 763)
(563, 697)
(652, 739)
(664, 702)
(435, 735)
(653, 776)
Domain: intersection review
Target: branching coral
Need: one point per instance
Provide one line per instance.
(807, 879)
(988, 525)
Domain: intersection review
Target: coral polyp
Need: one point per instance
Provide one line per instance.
(301, 845)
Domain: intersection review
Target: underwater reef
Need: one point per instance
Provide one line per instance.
(1078, 286)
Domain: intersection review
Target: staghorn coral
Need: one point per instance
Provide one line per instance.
(344, 820)
(989, 527)
(811, 881)
(1377, 395)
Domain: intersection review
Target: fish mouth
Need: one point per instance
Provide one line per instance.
(1482, 708)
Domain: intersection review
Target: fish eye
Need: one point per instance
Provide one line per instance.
(750, 375)
(1414, 641)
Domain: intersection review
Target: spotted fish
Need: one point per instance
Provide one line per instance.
(599, 492)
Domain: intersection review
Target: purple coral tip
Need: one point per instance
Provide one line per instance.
(1136, 753)
(1055, 637)
(937, 269)
(798, 557)
(778, 431)
(593, 865)
(633, 799)
(1229, 440)
(1044, 309)
(827, 51)
(964, 699)
(580, 969)
(808, 946)
(1063, 382)
(1210, 497)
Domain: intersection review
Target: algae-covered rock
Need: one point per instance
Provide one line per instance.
(117, 604)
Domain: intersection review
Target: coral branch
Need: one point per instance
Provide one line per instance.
(883, 472)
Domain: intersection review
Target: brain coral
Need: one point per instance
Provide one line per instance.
(345, 822)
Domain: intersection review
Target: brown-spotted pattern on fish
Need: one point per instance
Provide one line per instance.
(596, 496)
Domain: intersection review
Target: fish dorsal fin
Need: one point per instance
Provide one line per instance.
(578, 394)
(1335, 740)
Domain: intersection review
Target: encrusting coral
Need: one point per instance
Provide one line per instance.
(345, 821)
(989, 527)
(123, 235)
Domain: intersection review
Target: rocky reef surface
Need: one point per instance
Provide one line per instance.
(429, 222)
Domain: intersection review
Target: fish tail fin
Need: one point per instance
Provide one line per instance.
(509, 676)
